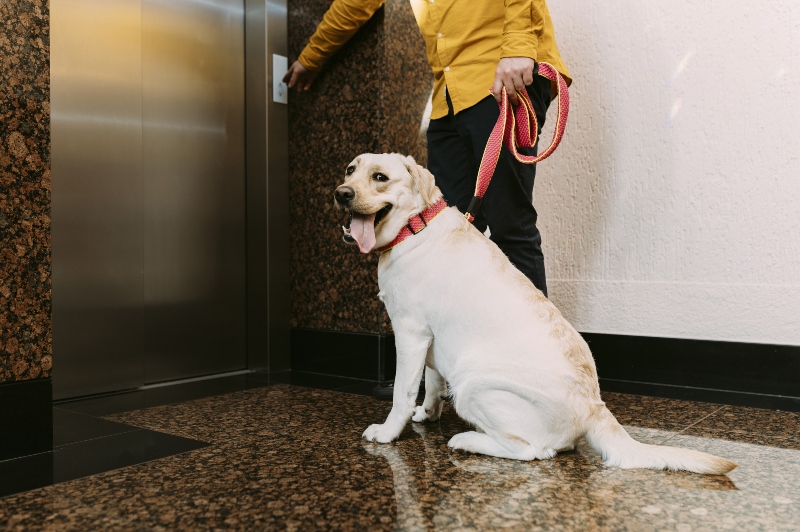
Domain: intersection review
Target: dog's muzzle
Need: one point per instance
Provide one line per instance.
(344, 195)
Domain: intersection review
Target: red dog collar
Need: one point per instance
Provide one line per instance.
(416, 223)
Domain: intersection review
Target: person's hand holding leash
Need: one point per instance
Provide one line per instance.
(299, 75)
(513, 73)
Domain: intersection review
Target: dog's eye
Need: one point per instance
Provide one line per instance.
(380, 177)
(350, 170)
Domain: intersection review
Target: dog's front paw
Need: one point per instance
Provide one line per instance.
(380, 433)
(420, 414)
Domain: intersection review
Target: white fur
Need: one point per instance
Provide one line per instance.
(517, 370)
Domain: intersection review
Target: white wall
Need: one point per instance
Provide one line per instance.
(672, 208)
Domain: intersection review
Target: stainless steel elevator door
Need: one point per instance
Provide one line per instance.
(148, 191)
(194, 187)
(96, 121)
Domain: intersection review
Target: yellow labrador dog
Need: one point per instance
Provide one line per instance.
(517, 370)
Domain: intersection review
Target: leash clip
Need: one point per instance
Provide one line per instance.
(474, 206)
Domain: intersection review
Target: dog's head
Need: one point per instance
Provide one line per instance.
(381, 192)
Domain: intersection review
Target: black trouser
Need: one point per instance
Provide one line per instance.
(455, 147)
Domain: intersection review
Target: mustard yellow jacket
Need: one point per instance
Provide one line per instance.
(465, 40)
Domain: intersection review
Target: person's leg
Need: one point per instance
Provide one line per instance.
(507, 205)
(452, 162)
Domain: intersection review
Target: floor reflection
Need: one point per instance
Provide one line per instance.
(436, 488)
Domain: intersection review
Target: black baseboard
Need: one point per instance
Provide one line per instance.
(387, 358)
(735, 373)
(355, 355)
(26, 418)
(732, 366)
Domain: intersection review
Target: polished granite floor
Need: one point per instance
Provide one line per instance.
(284, 452)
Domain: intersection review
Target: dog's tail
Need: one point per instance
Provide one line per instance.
(608, 437)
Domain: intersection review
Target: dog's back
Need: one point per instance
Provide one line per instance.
(484, 314)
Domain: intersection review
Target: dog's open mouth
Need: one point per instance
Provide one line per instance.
(361, 228)
(381, 214)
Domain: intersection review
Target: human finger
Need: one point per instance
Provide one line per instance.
(519, 84)
(497, 88)
(288, 76)
(293, 76)
(527, 76)
(511, 89)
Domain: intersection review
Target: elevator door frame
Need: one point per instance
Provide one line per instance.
(267, 135)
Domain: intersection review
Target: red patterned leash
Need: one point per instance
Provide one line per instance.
(518, 128)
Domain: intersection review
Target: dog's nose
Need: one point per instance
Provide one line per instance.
(344, 194)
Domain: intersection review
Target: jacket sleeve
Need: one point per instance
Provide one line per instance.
(342, 21)
(524, 23)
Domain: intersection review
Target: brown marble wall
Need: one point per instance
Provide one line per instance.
(369, 98)
(25, 329)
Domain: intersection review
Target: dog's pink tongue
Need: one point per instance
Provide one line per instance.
(362, 228)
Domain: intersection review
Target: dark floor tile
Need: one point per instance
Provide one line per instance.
(756, 420)
(656, 412)
(26, 473)
(162, 395)
(113, 452)
(90, 457)
(751, 425)
(247, 487)
(42, 510)
(720, 397)
(72, 427)
(219, 419)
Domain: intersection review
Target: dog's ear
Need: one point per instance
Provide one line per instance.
(423, 180)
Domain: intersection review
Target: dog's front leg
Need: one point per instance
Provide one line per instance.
(412, 345)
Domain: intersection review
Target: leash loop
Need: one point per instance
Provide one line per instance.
(518, 128)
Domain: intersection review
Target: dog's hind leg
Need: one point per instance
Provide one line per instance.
(435, 393)
(512, 426)
(475, 442)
